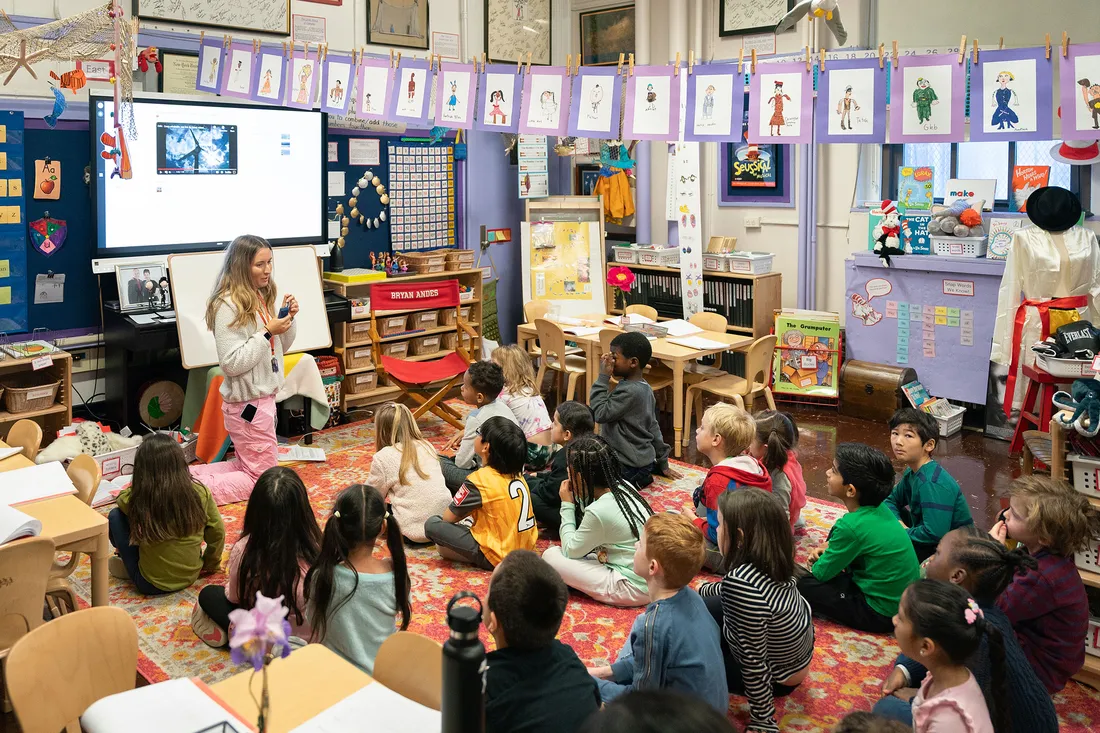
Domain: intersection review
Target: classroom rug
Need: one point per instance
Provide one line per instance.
(846, 674)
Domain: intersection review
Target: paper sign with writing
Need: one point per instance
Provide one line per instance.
(47, 179)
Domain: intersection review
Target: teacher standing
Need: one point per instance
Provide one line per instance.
(251, 340)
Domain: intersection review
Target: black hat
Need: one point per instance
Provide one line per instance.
(1053, 209)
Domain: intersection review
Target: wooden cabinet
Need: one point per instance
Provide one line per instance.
(52, 418)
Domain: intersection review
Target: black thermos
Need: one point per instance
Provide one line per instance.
(463, 708)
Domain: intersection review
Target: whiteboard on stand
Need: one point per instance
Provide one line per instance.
(294, 270)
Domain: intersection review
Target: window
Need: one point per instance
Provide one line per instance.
(984, 160)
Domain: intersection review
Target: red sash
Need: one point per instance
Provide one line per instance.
(1043, 306)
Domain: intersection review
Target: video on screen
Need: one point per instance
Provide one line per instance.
(196, 149)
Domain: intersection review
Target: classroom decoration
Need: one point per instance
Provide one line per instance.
(211, 62)
(1076, 152)
(259, 16)
(48, 235)
(269, 84)
(114, 150)
(621, 278)
(544, 109)
(960, 219)
(518, 30)
(850, 105)
(1083, 402)
(74, 80)
(594, 103)
(421, 196)
(337, 79)
(1010, 95)
(147, 57)
(236, 72)
(916, 186)
(689, 226)
(1026, 180)
(498, 105)
(652, 104)
(806, 353)
(404, 24)
(409, 93)
(781, 104)
(455, 98)
(827, 9)
(1079, 82)
(887, 233)
(257, 636)
(13, 232)
(927, 94)
(47, 179)
(302, 79)
(715, 99)
(59, 107)
(373, 89)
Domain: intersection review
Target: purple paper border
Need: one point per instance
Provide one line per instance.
(673, 108)
(227, 59)
(291, 86)
(349, 84)
(483, 93)
(784, 201)
(806, 108)
(424, 118)
(471, 95)
(563, 103)
(957, 133)
(374, 63)
(823, 103)
(1044, 88)
(614, 92)
(258, 66)
(210, 88)
(737, 113)
(1070, 95)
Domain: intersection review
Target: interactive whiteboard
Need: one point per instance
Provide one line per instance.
(294, 270)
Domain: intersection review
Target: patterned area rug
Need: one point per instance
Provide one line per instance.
(846, 675)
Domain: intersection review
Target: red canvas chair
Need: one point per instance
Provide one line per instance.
(420, 380)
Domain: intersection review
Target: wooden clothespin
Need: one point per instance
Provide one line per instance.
(431, 62)
(691, 61)
(741, 61)
(821, 61)
(307, 49)
(256, 46)
(398, 58)
(529, 54)
(630, 65)
(895, 54)
(226, 40)
(622, 59)
(391, 58)
(568, 64)
(1065, 45)
(483, 63)
(752, 69)
(284, 49)
(676, 69)
(975, 59)
(519, 64)
(1002, 44)
(1048, 47)
(881, 50)
(202, 37)
(809, 64)
(962, 49)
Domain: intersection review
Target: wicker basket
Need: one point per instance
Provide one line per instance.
(459, 259)
(29, 392)
(425, 262)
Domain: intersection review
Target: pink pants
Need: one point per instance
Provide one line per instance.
(255, 446)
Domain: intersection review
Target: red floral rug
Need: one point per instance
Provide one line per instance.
(846, 675)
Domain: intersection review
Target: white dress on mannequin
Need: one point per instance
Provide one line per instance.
(1043, 265)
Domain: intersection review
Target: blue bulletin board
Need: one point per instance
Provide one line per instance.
(360, 241)
(13, 226)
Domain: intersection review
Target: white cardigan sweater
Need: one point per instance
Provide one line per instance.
(244, 354)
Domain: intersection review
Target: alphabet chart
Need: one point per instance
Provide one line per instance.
(13, 228)
(422, 196)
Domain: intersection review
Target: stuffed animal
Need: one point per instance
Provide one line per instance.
(960, 219)
(827, 9)
(1085, 403)
(887, 233)
(85, 441)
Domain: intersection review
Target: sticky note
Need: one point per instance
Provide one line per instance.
(929, 319)
(953, 312)
(967, 332)
(903, 340)
(3, 133)
(953, 321)
(966, 340)
(967, 314)
(15, 186)
(3, 187)
(903, 308)
(5, 295)
(903, 326)
(929, 349)
(5, 268)
(891, 312)
(3, 161)
(941, 310)
(941, 320)
(915, 314)
(930, 309)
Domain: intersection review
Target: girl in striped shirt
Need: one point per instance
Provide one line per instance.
(767, 630)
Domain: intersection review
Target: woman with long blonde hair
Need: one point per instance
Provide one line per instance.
(251, 335)
(406, 470)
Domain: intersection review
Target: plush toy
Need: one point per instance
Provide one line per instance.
(88, 439)
(818, 9)
(887, 233)
(149, 56)
(1085, 403)
(960, 219)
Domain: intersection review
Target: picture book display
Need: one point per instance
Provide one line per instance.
(807, 353)
(1026, 180)
(915, 186)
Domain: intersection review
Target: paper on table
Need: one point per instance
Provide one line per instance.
(387, 712)
(300, 453)
(15, 525)
(9, 452)
(582, 331)
(33, 483)
(143, 319)
(680, 327)
(568, 320)
(143, 709)
(698, 342)
(635, 318)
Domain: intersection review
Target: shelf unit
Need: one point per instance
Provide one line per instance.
(353, 334)
(57, 415)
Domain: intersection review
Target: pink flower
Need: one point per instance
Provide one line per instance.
(620, 277)
(255, 634)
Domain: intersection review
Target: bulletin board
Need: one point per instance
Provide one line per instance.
(359, 242)
(13, 227)
(422, 213)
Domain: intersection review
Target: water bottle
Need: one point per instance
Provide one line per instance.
(463, 708)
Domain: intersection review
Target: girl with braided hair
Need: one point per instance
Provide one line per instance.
(983, 567)
(602, 516)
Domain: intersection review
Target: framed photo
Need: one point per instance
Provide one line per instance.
(257, 16)
(741, 17)
(401, 23)
(181, 69)
(514, 28)
(587, 175)
(605, 34)
(143, 286)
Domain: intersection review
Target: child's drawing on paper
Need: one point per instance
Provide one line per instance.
(844, 108)
(366, 103)
(452, 101)
(265, 88)
(1003, 116)
(497, 115)
(777, 121)
(1090, 95)
(212, 76)
(708, 103)
(304, 94)
(594, 98)
(549, 107)
(650, 98)
(336, 94)
(924, 96)
(373, 86)
(412, 85)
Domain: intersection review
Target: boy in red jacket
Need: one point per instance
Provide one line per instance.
(723, 436)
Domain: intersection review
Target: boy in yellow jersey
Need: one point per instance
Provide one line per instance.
(491, 514)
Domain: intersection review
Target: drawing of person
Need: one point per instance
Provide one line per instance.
(924, 96)
(519, 8)
(844, 108)
(266, 88)
(708, 103)
(236, 74)
(412, 85)
(452, 101)
(213, 70)
(777, 120)
(1002, 95)
(1091, 94)
(336, 94)
(495, 99)
(595, 97)
(650, 97)
(303, 82)
(366, 102)
(549, 106)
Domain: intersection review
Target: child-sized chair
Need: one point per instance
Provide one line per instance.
(694, 371)
(412, 666)
(758, 369)
(658, 375)
(26, 569)
(85, 474)
(556, 358)
(26, 434)
(642, 310)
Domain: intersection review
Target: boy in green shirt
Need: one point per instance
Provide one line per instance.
(927, 500)
(857, 577)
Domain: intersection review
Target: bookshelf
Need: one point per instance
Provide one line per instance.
(57, 415)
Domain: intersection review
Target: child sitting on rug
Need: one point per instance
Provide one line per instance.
(601, 519)
(675, 643)
(481, 386)
(1047, 606)
(491, 513)
(858, 575)
(571, 421)
(279, 542)
(926, 500)
(628, 414)
(523, 398)
(352, 596)
(773, 445)
(533, 682)
(723, 436)
(658, 711)
(406, 470)
(161, 521)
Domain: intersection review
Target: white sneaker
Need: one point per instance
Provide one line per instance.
(116, 568)
(205, 628)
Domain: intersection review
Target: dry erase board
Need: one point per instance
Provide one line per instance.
(294, 270)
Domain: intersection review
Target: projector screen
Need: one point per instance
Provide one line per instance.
(204, 173)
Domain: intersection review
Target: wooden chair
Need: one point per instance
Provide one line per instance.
(85, 474)
(658, 375)
(535, 309)
(412, 666)
(695, 372)
(26, 434)
(642, 310)
(77, 659)
(556, 358)
(758, 369)
(25, 570)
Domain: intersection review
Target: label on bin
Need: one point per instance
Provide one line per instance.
(42, 362)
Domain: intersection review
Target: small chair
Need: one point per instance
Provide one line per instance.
(535, 309)
(77, 659)
(26, 434)
(85, 474)
(26, 570)
(695, 372)
(642, 310)
(758, 369)
(412, 666)
(556, 358)
(658, 375)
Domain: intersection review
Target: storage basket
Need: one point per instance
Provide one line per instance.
(392, 325)
(356, 332)
(958, 246)
(664, 257)
(447, 316)
(424, 345)
(717, 262)
(426, 262)
(424, 321)
(459, 259)
(628, 255)
(1089, 559)
(29, 391)
(358, 358)
(398, 349)
(752, 263)
(1086, 474)
(1092, 641)
(1065, 368)
(465, 295)
(952, 423)
(448, 341)
(360, 383)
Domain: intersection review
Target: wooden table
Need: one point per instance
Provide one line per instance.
(72, 525)
(309, 681)
(674, 355)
